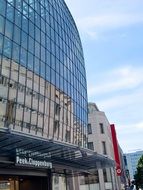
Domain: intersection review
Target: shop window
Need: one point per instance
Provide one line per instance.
(90, 179)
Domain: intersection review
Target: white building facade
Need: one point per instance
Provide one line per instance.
(100, 140)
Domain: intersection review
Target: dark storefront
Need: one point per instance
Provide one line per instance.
(32, 163)
(9, 182)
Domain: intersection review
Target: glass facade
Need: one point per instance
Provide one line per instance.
(42, 74)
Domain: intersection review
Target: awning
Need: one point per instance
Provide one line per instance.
(65, 155)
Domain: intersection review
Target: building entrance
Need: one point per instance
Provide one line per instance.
(23, 183)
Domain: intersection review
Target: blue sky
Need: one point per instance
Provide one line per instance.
(112, 36)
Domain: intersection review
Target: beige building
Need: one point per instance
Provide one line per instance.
(100, 140)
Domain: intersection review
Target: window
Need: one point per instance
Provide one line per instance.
(2, 6)
(1, 43)
(16, 52)
(56, 126)
(105, 175)
(104, 147)
(57, 109)
(91, 179)
(89, 128)
(7, 47)
(101, 128)
(67, 136)
(1, 24)
(8, 29)
(17, 35)
(90, 145)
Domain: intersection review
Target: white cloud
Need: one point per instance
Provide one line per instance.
(127, 127)
(100, 23)
(124, 78)
(119, 101)
(100, 16)
(130, 136)
(113, 91)
(110, 21)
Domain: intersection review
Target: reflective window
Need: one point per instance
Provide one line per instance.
(17, 34)
(47, 68)
(2, 7)
(7, 47)
(37, 66)
(15, 54)
(23, 57)
(9, 29)
(10, 12)
(17, 18)
(30, 61)
(1, 43)
(24, 40)
(1, 24)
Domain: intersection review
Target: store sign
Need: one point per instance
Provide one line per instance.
(24, 159)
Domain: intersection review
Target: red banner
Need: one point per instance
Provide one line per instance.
(116, 150)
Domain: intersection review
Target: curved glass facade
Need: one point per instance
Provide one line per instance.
(42, 74)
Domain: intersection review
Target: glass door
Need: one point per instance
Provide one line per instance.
(8, 183)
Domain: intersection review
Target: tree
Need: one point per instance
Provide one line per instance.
(139, 174)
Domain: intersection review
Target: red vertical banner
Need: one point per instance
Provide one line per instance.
(116, 150)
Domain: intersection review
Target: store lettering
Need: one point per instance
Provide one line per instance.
(31, 162)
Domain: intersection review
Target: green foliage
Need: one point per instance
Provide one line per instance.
(139, 175)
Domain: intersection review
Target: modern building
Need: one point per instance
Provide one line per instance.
(43, 98)
(100, 141)
(124, 178)
(132, 159)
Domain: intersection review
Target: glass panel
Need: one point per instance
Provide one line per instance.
(23, 57)
(1, 24)
(17, 18)
(30, 61)
(25, 24)
(10, 12)
(2, 7)
(17, 34)
(9, 29)
(31, 45)
(11, 1)
(16, 50)
(18, 4)
(42, 69)
(24, 41)
(1, 43)
(37, 66)
(7, 47)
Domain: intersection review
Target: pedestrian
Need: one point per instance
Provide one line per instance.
(132, 186)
